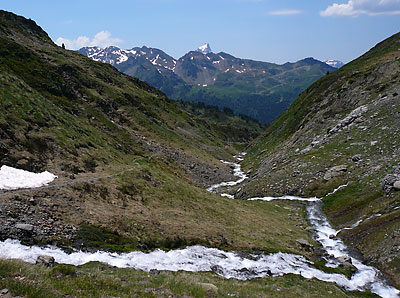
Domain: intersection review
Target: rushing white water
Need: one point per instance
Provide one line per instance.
(228, 264)
(237, 172)
(366, 277)
(11, 178)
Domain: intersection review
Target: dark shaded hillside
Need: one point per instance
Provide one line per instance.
(343, 130)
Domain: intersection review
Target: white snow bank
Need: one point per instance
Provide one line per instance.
(11, 178)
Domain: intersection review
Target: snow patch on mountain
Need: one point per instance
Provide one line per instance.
(11, 178)
(205, 49)
(334, 63)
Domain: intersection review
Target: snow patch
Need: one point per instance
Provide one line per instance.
(205, 49)
(12, 178)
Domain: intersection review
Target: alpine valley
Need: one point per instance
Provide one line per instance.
(108, 188)
(256, 89)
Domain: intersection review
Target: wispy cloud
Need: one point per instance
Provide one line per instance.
(102, 39)
(358, 7)
(285, 12)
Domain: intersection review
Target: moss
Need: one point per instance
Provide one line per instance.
(92, 237)
(346, 271)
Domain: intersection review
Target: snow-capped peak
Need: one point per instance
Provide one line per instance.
(205, 49)
(334, 63)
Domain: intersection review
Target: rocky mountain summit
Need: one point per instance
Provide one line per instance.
(222, 80)
(205, 49)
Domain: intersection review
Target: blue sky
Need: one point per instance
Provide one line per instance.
(267, 30)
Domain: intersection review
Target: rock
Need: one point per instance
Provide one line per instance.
(154, 272)
(25, 227)
(208, 287)
(217, 269)
(356, 158)
(345, 261)
(396, 185)
(45, 260)
(4, 291)
(306, 150)
(388, 182)
(304, 243)
(335, 172)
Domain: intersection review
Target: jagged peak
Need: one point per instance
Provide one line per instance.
(205, 49)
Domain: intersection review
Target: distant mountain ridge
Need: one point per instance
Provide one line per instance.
(257, 89)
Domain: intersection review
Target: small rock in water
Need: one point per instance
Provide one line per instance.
(345, 261)
(45, 260)
(217, 269)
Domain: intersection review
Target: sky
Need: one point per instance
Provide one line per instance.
(275, 31)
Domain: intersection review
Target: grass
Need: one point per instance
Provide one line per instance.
(98, 280)
(155, 206)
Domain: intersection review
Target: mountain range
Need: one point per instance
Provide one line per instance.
(257, 89)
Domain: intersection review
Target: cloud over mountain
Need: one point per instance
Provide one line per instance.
(102, 39)
(358, 7)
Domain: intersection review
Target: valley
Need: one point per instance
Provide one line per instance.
(157, 198)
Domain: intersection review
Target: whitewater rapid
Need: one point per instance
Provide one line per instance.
(228, 264)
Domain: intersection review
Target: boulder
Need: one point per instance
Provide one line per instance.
(48, 261)
(208, 287)
(345, 261)
(389, 181)
(335, 172)
(25, 227)
(5, 293)
(304, 243)
(396, 185)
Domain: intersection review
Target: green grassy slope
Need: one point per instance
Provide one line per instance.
(83, 120)
(305, 142)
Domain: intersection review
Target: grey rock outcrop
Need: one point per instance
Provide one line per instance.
(335, 172)
(25, 227)
(45, 260)
(355, 114)
(389, 180)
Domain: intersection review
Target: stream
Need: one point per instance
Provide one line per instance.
(230, 264)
